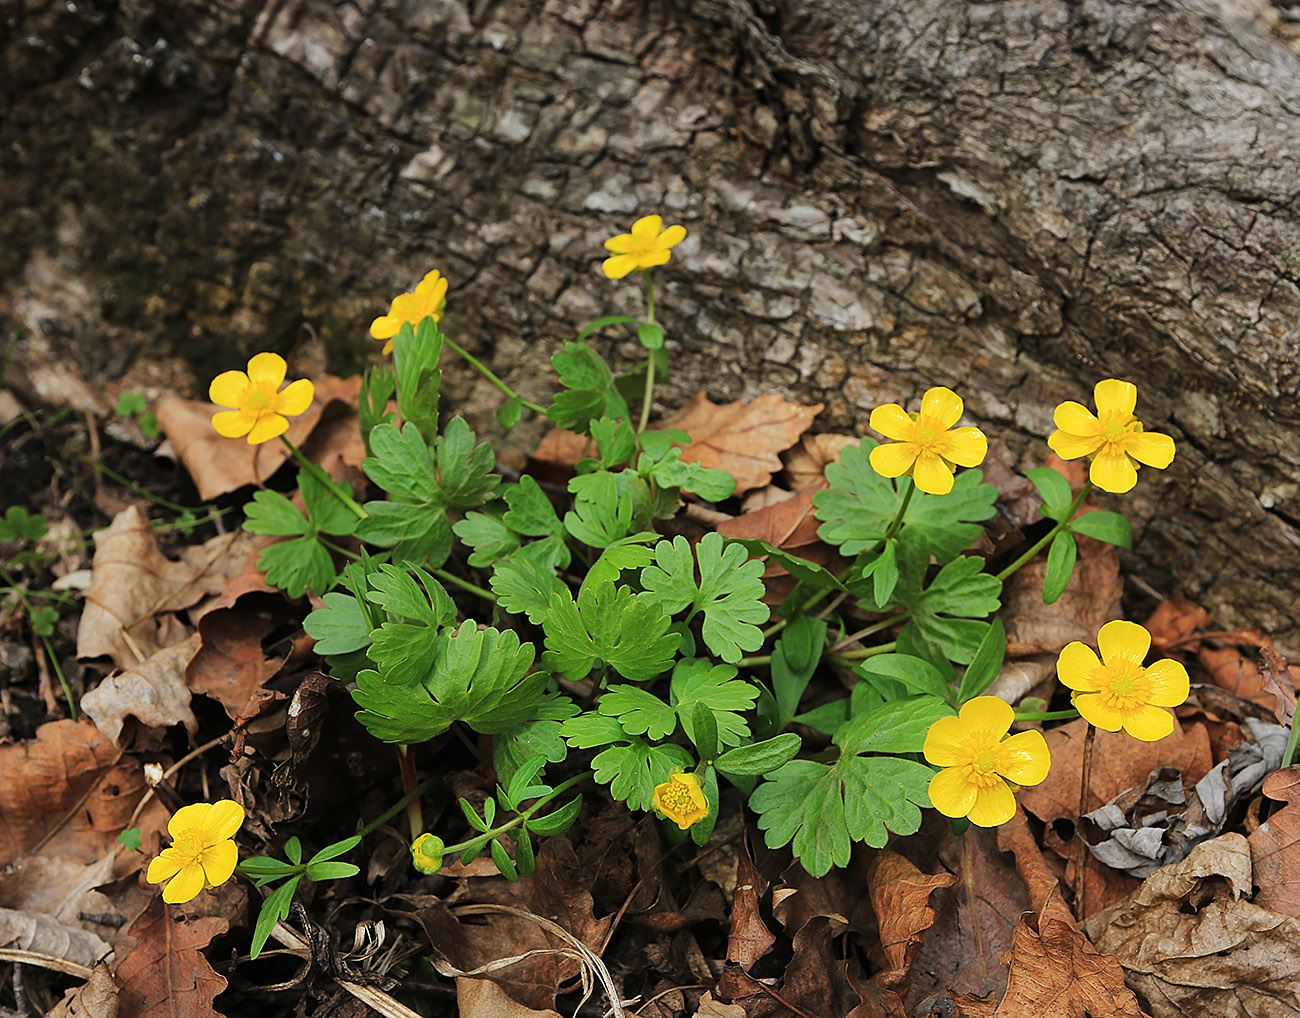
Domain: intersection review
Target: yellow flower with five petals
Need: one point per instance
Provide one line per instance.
(681, 800)
(1112, 438)
(201, 854)
(425, 301)
(260, 405)
(1116, 691)
(925, 444)
(981, 763)
(645, 247)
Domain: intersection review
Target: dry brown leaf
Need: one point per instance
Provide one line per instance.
(1191, 945)
(1275, 846)
(559, 452)
(97, 997)
(133, 583)
(219, 465)
(806, 462)
(741, 439)
(790, 526)
(43, 934)
(154, 691)
(1056, 973)
(482, 998)
(1090, 600)
(749, 938)
(1175, 622)
(164, 974)
(229, 665)
(1014, 836)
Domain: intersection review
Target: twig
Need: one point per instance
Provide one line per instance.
(1081, 849)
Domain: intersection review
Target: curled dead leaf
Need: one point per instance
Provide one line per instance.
(153, 691)
(1275, 846)
(806, 462)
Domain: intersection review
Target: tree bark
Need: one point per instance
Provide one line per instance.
(1015, 199)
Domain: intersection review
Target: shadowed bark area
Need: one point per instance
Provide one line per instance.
(1015, 199)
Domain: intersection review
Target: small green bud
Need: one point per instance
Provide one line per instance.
(426, 853)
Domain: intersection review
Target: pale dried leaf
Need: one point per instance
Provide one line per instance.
(482, 998)
(155, 692)
(806, 462)
(1275, 846)
(42, 934)
(1090, 600)
(95, 998)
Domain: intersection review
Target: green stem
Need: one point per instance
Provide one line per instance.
(875, 627)
(1292, 744)
(1045, 715)
(1047, 538)
(897, 523)
(650, 355)
(487, 373)
(45, 641)
(452, 578)
(478, 841)
(320, 475)
(414, 813)
(780, 624)
(396, 808)
(339, 549)
(849, 656)
(113, 475)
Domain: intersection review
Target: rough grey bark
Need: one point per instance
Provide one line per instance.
(1014, 198)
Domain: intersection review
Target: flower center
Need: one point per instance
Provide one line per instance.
(676, 798)
(929, 435)
(1123, 685)
(257, 396)
(1115, 428)
(985, 762)
(188, 845)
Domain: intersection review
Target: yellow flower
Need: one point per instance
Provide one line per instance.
(425, 301)
(201, 853)
(1113, 439)
(426, 853)
(980, 762)
(681, 800)
(260, 410)
(926, 445)
(1117, 691)
(644, 248)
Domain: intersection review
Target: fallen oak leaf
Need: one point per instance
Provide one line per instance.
(229, 665)
(805, 464)
(741, 439)
(1275, 846)
(164, 974)
(748, 938)
(154, 691)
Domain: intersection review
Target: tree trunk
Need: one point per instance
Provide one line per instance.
(1015, 199)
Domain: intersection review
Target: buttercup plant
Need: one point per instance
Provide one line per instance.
(560, 628)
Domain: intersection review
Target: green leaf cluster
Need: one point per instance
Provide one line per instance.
(303, 562)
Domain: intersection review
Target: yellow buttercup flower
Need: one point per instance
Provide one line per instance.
(980, 762)
(427, 852)
(644, 248)
(925, 444)
(681, 800)
(1113, 439)
(202, 854)
(261, 407)
(425, 301)
(1117, 692)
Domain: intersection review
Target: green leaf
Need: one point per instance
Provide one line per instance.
(509, 412)
(327, 512)
(592, 392)
(960, 589)
(627, 553)
(416, 533)
(378, 385)
(403, 648)
(1104, 525)
(522, 785)
(702, 829)
(297, 566)
(650, 335)
(986, 664)
(859, 505)
(587, 731)
(524, 586)
(319, 871)
(759, 758)
(480, 677)
(274, 908)
(657, 444)
(610, 624)
(531, 512)
(794, 659)
(601, 515)
(638, 712)
(415, 363)
(729, 592)
(633, 768)
(711, 485)
(488, 535)
(395, 590)
(503, 862)
(717, 688)
(704, 731)
(402, 466)
(339, 627)
(130, 839)
(465, 477)
(44, 620)
(557, 822)
(913, 673)
(335, 850)
(815, 576)
(272, 513)
(603, 323)
(884, 574)
(539, 736)
(129, 403)
(20, 525)
(883, 794)
(1061, 555)
(899, 726)
(1055, 490)
(615, 440)
(827, 717)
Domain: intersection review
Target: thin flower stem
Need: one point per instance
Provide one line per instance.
(820, 595)
(487, 373)
(452, 578)
(320, 475)
(902, 511)
(1047, 538)
(1292, 744)
(862, 654)
(478, 841)
(396, 808)
(414, 812)
(1081, 849)
(875, 627)
(650, 355)
(63, 681)
(1045, 715)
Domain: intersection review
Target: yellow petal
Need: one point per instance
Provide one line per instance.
(227, 388)
(163, 866)
(295, 398)
(1150, 448)
(1113, 472)
(1120, 639)
(1076, 419)
(385, 328)
(388, 348)
(428, 286)
(672, 235)
(891, 420)
(652, 258)
(1075, 667)
(1115, 397)
(931, 474)
(1095, 712)
(233, 423)
(994, 806)
(942, 403)
(1147, 723)
(407, 307)
(945, 743)
(224, 818)
(621, 244)
(893, 459)
(1072, 447)
(267, 369)
(187, 818)
(950, 793)
(990, 714)
(1169, 683)
(268, 426)
(218, 862)
(1024, 758)
(648, 226)
(966, 447)
(619, 265)
(185, 885)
